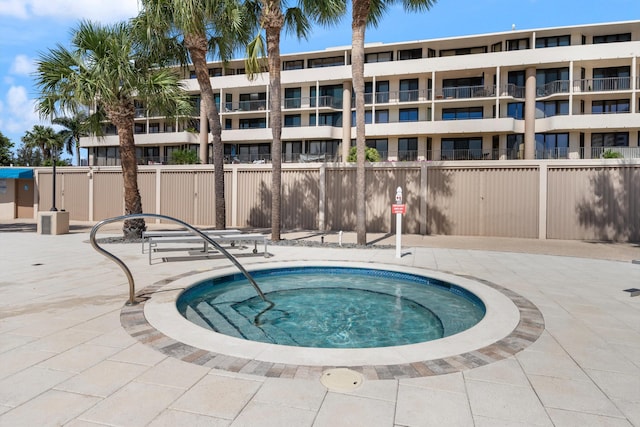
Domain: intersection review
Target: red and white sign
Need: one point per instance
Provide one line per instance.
(399, 209)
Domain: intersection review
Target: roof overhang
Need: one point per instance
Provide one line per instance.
(16, 173)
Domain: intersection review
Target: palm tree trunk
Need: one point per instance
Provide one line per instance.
(198, 51)
(123, 118)
(358, 25)
(273, 22)
(77, 152)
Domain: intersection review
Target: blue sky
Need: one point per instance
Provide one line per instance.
(30, 27)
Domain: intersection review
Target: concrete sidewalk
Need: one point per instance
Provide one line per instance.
(65, 358)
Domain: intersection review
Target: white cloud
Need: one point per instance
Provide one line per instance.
(13, 8)
(19, 112)
(95, 10)
(22, 65)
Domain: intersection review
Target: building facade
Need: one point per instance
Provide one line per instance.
(564, 92)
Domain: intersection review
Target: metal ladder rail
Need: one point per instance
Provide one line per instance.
(127, 272)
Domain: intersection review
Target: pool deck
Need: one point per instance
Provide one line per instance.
(66, 359)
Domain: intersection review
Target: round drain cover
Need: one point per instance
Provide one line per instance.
(341, 379)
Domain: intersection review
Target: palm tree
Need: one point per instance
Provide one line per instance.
(74, 128)
(272, 19)
(105, 70)
(202, 27)
(42, 138)
(363, 13)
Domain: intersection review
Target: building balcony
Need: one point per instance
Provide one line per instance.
(466, 92)
(609, 84)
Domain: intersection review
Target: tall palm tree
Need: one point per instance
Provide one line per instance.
(274, 16)
(202, 27)
(74, 128)
(42, 138)
(104, 69)
(364, 13)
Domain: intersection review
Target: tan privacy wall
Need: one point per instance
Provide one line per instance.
(568, 199)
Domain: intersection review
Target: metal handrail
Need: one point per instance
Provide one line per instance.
(127, 272)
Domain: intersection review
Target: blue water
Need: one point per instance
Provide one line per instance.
(330, 307)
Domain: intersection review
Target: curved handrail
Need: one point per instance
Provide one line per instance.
(127, 272)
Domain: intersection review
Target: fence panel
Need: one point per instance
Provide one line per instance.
(205, 213)
(108, 194)
(300, 198)
(254, 198)
(340, 203)
(600, 203)
(75, 199)
(177, 194)
(509, 202)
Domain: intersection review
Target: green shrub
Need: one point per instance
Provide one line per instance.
(610, 154)
(370, 155)
(184, 157)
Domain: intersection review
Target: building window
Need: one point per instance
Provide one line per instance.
(330, 96)
(378, 57)
(612, 38)
(409, 54)
(154, 127)
(331, 61)
(515, 146)
(552, 80)
(496, 47)
(252, 101)
(463, 51)
(381, 145)
(552, 145)
(228, 124)
(326, 119)
(408, 90)
(462, 113)
(552, 108)
(518, 44)
(381, 93)
(249, 153)
(215, 72)
(553, 41)
(192, 74)
(367, 117)
(323, 148)
(293, 65)
(292, 120)
(611, 139)
(382, 116)
(614, 106)
(408, 115)
(612, 78)
(292, 97)
(140, 128)
(515, 110)
(408, 149)
(257, 123)
(462, 149)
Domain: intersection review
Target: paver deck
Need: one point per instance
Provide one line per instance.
(65, 358)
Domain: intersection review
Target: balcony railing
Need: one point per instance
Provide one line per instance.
(558, 86)
(258, 105)
(515, 91)
(466, 92)
(553, 153)
(625, 152)
(607, 84)
(407, 155)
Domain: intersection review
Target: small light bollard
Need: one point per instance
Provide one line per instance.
(399, 209)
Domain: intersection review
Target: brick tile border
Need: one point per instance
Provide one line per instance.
(528, 330)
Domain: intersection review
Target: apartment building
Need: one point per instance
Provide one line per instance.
(564, 92)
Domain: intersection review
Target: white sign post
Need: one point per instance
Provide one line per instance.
(398, 208)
